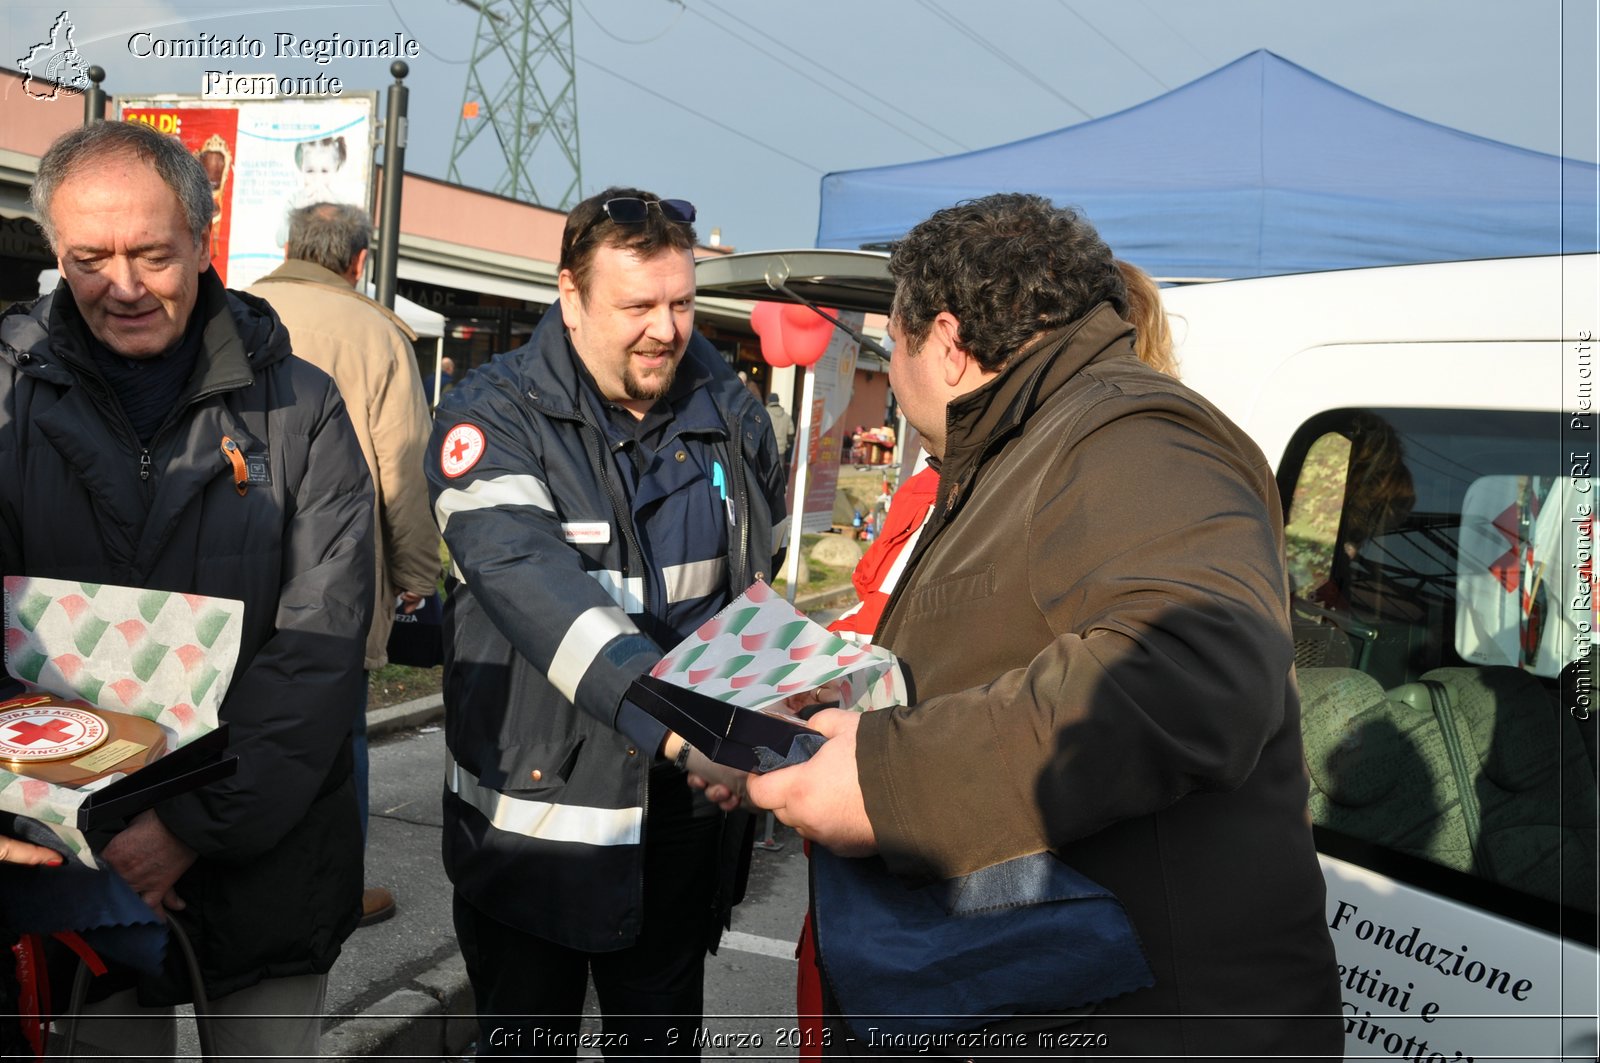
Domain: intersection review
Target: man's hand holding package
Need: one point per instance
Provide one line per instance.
(822, 797)
(151, 859)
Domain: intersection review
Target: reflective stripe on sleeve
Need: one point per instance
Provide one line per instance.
(627, 593)
(583, 642)
(697, 579)
(545, 820)
(517, 490)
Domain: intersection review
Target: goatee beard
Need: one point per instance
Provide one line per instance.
(652, 387)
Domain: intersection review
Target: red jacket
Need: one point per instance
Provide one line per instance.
(879, 569)
(875, 577)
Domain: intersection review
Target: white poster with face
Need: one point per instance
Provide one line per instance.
(293, 153)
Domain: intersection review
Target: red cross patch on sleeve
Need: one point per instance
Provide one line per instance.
(463, 446)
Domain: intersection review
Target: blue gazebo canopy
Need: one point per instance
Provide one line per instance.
(1260, 167)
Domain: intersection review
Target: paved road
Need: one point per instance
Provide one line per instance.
(393, 971)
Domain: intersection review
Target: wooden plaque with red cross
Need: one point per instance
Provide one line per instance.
(54, 741)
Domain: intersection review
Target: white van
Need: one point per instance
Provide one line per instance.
(1433, 430)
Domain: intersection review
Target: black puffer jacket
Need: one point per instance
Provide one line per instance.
(278, 880)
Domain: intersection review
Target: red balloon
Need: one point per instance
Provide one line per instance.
(805, 333)
(767, 322)
(791, 334)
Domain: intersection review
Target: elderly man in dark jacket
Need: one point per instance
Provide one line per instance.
(118, 395)
(1095, 627)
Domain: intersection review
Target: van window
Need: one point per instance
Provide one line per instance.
(1439, 569)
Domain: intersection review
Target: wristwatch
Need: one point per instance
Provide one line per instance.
(681, 761)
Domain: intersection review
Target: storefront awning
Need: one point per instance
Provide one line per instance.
(466, 280)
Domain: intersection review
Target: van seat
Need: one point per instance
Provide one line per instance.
(1379, 769)
(1531, 777)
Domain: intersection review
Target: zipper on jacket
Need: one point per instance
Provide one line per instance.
(623, 515)
(740, 569)
(595, 444)
(146, 464)
(595, 441)
(116, 419)
(116, 416)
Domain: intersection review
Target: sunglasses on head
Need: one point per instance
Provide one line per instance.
(631, 210)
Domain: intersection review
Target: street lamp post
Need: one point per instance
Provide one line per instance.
(94, 99)
(394, 162)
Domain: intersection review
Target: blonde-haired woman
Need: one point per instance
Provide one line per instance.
(1152, 340)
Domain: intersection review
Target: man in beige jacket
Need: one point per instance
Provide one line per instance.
(366, 348)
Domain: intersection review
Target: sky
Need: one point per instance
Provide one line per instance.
(741, 106)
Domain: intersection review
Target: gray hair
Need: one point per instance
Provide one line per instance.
(330, 235)
(172, 162)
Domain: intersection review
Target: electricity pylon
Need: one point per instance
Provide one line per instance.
(520, 108)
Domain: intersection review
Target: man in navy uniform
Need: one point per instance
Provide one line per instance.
(603, 490)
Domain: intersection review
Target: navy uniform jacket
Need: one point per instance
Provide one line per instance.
(559, 593)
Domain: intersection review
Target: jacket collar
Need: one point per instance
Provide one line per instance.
(551, 377)
(980, 420)
(241, 335)
(299, 271)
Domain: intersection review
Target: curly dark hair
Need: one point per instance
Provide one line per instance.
(1008, 266)
(588, 229)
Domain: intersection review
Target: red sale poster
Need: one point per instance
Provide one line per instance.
(212, 134)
